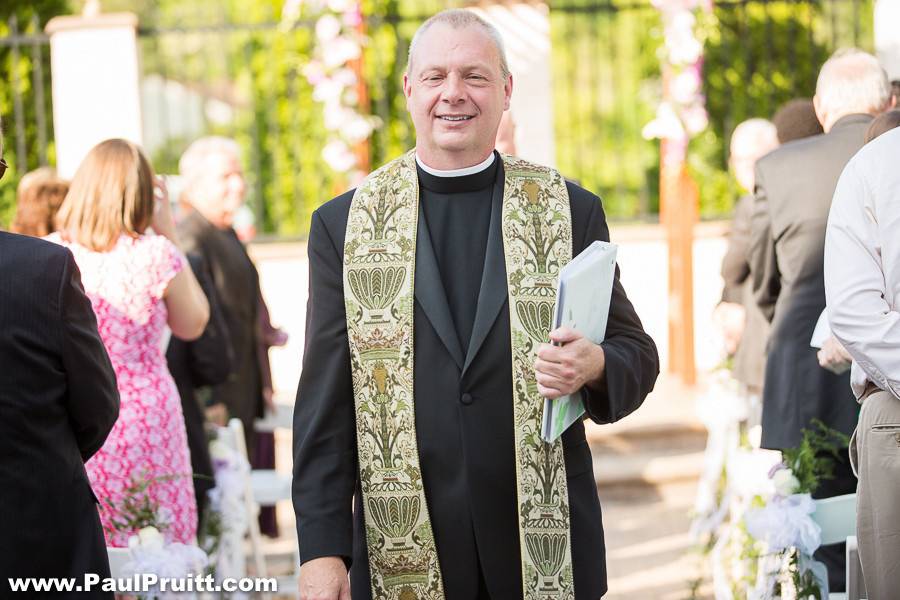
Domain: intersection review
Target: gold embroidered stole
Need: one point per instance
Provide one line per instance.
(379, 287)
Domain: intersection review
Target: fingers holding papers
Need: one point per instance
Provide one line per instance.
(569, 365)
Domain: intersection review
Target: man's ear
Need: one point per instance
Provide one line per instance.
(407, 86)
(507, 91)
(820, 112)
(407, 89)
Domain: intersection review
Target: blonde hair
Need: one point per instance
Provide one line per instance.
(111, 194)
(38, 198)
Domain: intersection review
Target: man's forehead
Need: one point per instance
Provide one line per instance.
(442, 43)
(222, 159)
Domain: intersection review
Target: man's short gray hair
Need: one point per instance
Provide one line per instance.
(193, 160)
(852, 81)
(460, 18)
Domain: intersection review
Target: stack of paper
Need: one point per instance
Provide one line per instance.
(582, 303)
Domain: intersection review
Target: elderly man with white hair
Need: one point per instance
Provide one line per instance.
(794, 188)
(213, 191)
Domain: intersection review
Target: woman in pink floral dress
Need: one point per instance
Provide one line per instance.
(138, 285)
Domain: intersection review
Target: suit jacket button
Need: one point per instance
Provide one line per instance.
(466, 399)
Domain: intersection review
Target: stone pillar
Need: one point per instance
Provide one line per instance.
(526, 35)
(887, 35)
(96, 94)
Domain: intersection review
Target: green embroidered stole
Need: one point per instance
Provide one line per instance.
(379, 286)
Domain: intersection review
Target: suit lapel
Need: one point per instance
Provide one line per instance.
(430, 291)
(493, 293)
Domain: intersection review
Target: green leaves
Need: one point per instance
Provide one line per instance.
(813, 460)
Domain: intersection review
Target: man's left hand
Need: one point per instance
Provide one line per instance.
(834, 357)
(566, 368)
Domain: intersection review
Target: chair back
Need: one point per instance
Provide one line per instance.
(118, 558)
(281, 418)
(837, 518)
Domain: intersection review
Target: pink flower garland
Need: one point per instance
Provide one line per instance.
(682, 113)
(338, 43)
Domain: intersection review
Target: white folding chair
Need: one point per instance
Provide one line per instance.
(281, 418)
(837, 518)
(264, 487)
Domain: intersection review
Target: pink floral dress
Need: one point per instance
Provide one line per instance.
(148, 442)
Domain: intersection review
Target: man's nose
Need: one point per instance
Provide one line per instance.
(236, 184)
(454, 89)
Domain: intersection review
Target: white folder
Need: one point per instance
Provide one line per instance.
(582, 303)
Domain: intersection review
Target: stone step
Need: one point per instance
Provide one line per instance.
(650, 470)
(662, 442)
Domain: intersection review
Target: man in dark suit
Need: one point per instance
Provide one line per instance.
(457, 87)
(195, 365)
(794, 187)
(213, 191)
(58, 402)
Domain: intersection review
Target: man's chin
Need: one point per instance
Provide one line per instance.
(454, 143)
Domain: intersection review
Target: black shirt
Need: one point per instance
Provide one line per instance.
(458, 214)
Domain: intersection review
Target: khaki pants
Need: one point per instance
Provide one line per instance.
(875, 456)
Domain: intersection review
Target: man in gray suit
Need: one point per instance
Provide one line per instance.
(744, 327)
(794, 187)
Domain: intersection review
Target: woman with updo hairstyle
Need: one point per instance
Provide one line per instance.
(116, 220)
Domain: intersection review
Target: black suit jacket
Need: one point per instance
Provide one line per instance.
(237, 284)
(58, 402)
(794, 187)
(464, 417)
(203, 362)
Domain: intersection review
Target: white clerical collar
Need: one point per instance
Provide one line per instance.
(456, 172)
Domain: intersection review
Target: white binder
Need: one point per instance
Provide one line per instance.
(582, 303)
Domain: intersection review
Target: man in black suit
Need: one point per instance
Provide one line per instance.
(457, 87)
(195, 365)
(794, 187)
(58, 402)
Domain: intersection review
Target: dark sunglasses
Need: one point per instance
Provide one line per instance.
(3, 167)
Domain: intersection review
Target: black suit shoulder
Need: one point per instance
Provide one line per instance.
(28, 254)
(333, 215)
(35, 269)
(588, 217)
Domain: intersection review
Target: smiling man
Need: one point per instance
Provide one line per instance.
(428, 357)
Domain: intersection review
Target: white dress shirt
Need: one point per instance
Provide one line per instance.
(862, 264)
